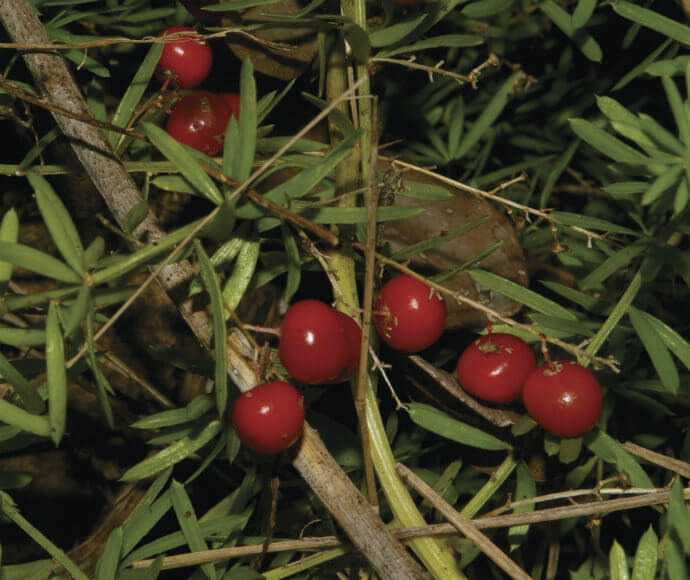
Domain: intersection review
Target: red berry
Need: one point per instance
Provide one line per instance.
(199, 120)
(188, 60)
(313, 345)
(269, 418)
(353, 334)
(408, 314)
(564, 398)
(495, 367)
(233, 101)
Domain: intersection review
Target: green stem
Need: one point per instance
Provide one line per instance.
(487, 491)
(9, 508)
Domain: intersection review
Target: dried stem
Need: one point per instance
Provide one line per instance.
(432, 70)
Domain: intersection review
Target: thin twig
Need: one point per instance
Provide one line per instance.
(463, 525)
(678, 466)
(434, 70)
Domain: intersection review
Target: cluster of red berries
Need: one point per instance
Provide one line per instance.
(562, 396)
(199, 118)
(320, 345)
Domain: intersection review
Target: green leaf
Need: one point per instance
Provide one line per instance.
(640, 68)
(56, 375)
(187, 164)
(624, 122)
(650, 19)
(673, 557)
(646, 556)
(184, 510)
(210, 279)
(242, 274)
(234, 5)
(520, 294)
(59, 223)
(24, 420)
(486, 8)
(680, 113)
(608, 144)
(9, 232)
(294, 262)
(674, 341)
(442, 424)
(103, 387)
(22, 336)
(610, 451)
(442, 41)
(134, 93)
(661, 135)
(30, 397)
(658, 353)
(679, 517)
(590, 223)
(174, 453)
(36, 261)
(583, 12)
(426, 191)
(77, 311)
(436, 241)
(618, 566)
(395, 32)
(525, 488)
(611, 265)
(487, 117)
(587, 45)
(554, 175)
(106, 567)
(243, 149)
(661, 184)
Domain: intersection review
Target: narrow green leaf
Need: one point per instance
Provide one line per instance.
(656, 349)
(135, 91)
(442, 424)
(22, 336)
(426, 191)
(337, 117)
(388, 35)
(242, 153)
(242, 274)
(583, 12)
(625, 122)
(189, 524)
(521, 294)
(174, 453)
(487, 117)
(612, 321)
(650, 19)
(661, 135)
(590, 223)
(234, 5)
(680, 113)
(24, 420)
(555, 173)
(94, 252)
(9, 232)
(36, 261)
(59, 223)
(679, 517)
(612, 264)
(106, 567)
(359, 42)
(294, 262)
(661, 184)
(605, 447)
(639, 69)
(187, 164)
(30, 397)
(587, 45)
(77, 311)
(210, 279)
(674, 341)
(618, 566)
(626, 188)
(56, 375)
(580, 298)
(467, 264)
(525, 488)
(486, 8)
(102, 385)
(646, 556)
(436, 241)
(608, 144)
(441, 41)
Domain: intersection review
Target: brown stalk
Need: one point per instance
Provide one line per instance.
(312, 460)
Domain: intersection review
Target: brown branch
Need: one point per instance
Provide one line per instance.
(680, 467)
(312, 460)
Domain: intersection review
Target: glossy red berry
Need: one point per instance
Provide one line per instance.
(353, 334)
(313, 346)
(233, 101)
(199, 120)
(409, 315)
(564, 398)
(495, 367)
(269, 418)
(187, 60)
